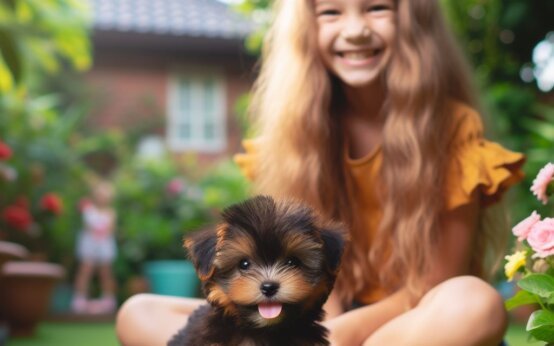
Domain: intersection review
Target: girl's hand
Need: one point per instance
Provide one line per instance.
(333, 306)
(339, 336)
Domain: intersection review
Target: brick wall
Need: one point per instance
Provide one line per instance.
(130, 91)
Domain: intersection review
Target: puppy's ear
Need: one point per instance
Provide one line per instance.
(334, 240)
(201, 250)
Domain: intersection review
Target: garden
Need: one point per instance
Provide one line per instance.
(50, 158)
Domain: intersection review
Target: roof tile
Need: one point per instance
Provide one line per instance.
(195, 18)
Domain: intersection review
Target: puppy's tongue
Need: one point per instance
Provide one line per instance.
(269, 310)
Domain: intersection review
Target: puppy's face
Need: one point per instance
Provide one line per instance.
(267, 261)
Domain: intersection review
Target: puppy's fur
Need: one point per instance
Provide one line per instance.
(266, 271)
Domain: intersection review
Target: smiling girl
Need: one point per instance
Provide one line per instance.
(364, 109)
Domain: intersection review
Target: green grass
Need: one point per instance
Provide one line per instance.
(70, 334)
(103, 334)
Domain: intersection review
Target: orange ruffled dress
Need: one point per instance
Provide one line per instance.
(476, 164)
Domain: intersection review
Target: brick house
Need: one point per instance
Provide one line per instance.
(174, 67)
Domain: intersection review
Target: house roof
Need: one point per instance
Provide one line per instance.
(184, 18)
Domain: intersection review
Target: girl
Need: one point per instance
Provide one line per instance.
(365, 111)
(96, 248)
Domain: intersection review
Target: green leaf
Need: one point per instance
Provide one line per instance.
(541, 128)
(521, 298)
(541, 325)
(10, 53)
(539, 284)
(10, 3)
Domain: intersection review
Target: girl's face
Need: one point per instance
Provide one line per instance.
(355, 38)
(103, 195)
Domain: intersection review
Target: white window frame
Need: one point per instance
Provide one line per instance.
(198, 112)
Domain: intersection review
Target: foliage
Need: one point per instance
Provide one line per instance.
(35, 34)
(498, 36)
(24, 220)
(157, 204)
(160, 200)
(42, 162)
(36, 38)
(535, 261)
(259, 12)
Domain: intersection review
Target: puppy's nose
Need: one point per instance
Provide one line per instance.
(269, 288)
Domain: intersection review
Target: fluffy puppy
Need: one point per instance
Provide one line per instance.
(266, 271)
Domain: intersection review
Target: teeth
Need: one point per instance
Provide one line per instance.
(358, 55)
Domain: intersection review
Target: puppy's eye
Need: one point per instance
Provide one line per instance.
(292, 262)
(244, 264)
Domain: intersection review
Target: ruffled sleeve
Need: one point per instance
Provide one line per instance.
(478, 164)
(247, 160)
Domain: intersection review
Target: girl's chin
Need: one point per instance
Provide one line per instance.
(358, 82)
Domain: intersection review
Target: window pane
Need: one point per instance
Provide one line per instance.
(184, 94)
(184, 109)
(184, 131)
(209, 131)
(209, 110)
(198, 113)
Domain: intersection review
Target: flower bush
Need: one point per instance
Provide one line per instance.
(26, 216)
(532, 265)
(159, 200)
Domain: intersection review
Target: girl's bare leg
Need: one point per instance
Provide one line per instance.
(151, 320)
(106, 279)
(461, 311)
(84, 275)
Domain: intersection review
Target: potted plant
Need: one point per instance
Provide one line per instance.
(25, 293)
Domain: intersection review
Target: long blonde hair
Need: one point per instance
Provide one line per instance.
(301, 152)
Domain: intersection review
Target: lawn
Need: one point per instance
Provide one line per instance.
(102, 334)
(70, 334)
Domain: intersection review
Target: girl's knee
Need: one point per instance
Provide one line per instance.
(130, 316)
(475, 301)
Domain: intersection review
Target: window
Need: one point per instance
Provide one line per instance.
(197, 113)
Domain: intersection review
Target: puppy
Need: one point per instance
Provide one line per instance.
(266, 271)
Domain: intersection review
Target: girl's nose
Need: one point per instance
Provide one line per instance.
(356, 29)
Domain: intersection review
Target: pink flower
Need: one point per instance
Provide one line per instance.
(522, 229)
(541, 182)
(175, 186)
(541, 238)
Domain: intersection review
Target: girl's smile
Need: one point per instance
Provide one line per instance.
(355, 38)
(359, 58)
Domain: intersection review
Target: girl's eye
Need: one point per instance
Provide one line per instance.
(377, 8)
(244, 264)
(328, 12)
(292, 262)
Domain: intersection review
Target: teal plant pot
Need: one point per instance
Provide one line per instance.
(61, 298)
(172, 278)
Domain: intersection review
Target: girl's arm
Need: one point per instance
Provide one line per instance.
(333, 306)
(453, 257)
(355, 326)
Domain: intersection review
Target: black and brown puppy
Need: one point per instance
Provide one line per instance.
(266, 271)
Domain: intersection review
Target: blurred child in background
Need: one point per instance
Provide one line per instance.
(96, 249)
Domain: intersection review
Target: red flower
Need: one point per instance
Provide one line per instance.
(5, 151)
(52, 203)
(17, 217)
